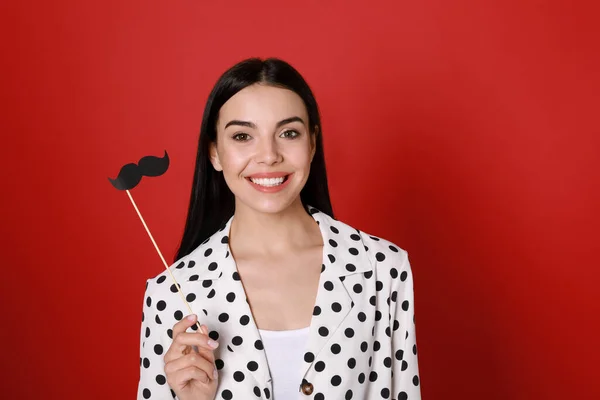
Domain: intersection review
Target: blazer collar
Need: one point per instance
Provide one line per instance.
(344, 252)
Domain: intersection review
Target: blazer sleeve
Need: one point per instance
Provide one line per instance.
(405, 372)
(152, 382)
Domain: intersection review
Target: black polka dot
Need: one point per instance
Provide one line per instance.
(355, 237)
(404, 366)
(336, 348)
(331, 258)
(368, 274)
(258, 345)
(317, 310)
(394, 273)
(357, 288)
(146, 393)
(361, 378)
(267, 393)
(349, 332)
(178, 315)
(380, 257)
(336, 380)
(146, 363)
(207, 283)
(405, 305)
(237, 340)
(174, 288)
(334, 229)
(161, 305)
(353, 251)
(161, 279)
(208, 252)
(320, 366)
(170, 333)
(158, 349)
(213, 266)
(403, 276)
(309, 357)
(351, 363)
(373, 376)
(148, 301)
(319, 396)
(226, 394)
(323, 331)
(379, 286)
(190, 297)
(211, 294)
(399, 355)
(376, 345)
(236, 276)
(328, 286)
(219, 364)
(402, 396)
(364, 346)
(214, 335)
(238, 376)
(256, 391)
(230, 297)
(157, 320)
(415, 380)
(252, 366)
(180, 265)
(350, 267)
(333, 243)
(194, 278)
(161, 380)
(385, 393)
(223, 317)
(244, 320)
(387, 362)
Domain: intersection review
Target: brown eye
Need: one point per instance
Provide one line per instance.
(241, 137)
(290, 134)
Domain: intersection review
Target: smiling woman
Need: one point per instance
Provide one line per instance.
(292, 303)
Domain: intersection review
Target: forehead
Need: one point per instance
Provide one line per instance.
(261, 103)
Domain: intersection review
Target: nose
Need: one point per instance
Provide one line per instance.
(268, 152)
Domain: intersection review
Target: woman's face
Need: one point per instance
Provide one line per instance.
(264, 147)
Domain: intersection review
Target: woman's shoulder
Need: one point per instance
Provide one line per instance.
(382, 253)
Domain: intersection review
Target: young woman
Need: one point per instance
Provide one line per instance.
(292, 303)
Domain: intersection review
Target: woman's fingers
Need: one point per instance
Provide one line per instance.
(181, 377)
(192, 360)
(184, 342)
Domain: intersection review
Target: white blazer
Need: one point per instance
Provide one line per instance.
(361, 343)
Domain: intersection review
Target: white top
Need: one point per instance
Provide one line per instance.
(285, 350)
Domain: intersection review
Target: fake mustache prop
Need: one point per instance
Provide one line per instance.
(129, 176)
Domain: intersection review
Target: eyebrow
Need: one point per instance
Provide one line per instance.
(253, 126)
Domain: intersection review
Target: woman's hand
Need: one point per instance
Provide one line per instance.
(190, 362)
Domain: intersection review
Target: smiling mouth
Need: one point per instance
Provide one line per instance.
(269, 182)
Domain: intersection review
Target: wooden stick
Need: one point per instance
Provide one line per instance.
(162, 258)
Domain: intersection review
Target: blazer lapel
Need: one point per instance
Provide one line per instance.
(344, 260)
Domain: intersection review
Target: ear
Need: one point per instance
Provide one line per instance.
(214, 156)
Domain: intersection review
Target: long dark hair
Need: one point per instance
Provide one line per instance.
(211, 202)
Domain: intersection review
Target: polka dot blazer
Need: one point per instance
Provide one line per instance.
(361, 343)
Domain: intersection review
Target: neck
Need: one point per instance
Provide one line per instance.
(253, 232)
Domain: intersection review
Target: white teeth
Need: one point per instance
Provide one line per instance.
(268, 181)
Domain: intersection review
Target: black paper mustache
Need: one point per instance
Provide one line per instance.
(131, 174)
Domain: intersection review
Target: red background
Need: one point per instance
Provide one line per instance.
(464, 131)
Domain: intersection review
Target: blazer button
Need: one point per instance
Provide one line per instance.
(307, 388)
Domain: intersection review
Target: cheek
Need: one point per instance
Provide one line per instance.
(233, 162)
